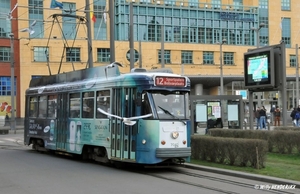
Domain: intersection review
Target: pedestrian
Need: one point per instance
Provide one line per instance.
(210, 124)
(257, 116)
(272, 113)
(195, 123)
(277, 116)
(7, 123)
(297, 118)
(262, 118)
(292, 115)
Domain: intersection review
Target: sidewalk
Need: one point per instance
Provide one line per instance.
(7, 129)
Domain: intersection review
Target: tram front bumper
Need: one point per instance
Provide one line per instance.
(173, 152)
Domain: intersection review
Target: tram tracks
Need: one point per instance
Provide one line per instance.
(217, 183)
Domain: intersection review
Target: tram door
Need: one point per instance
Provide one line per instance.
(123, 136)
(62, 121)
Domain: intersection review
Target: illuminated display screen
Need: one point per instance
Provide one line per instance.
(259, 69)
(170, 81)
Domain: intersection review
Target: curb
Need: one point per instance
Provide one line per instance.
(263, 178)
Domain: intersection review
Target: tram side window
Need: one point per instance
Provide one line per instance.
(33, 107)
(146, 109)
(88, 105)
(74, 105)
(52, 106)
(42, 106)
(103, 102)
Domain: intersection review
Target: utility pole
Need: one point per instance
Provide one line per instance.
(140, 55)
(297, 76)
(162, 50)
(89, 33)
(111, 4)
(221, 67)
(131, 37)
(12, 83)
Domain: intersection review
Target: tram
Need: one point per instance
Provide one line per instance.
(98, 113)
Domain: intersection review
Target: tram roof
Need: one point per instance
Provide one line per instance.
(101, 72)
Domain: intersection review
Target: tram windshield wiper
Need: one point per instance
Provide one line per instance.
(168, 112)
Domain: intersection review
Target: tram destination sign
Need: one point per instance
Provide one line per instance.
(170, 81)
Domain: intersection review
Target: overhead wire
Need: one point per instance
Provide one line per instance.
(45, 22)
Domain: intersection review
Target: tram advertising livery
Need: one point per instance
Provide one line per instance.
(140, 117)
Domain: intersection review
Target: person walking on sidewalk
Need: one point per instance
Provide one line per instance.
(293, 113)
(272, 111)
(257, 116)
(277, 116)
(262, 118)
(7, 122)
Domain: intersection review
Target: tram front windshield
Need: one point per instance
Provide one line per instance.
(170, 105)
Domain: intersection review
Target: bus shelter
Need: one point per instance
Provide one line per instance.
(227, 109)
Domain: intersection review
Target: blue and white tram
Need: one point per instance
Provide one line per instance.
(139, 117)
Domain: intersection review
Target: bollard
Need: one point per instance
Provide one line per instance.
(269, 122)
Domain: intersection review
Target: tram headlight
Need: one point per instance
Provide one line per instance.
(174, 134)
(143, 141)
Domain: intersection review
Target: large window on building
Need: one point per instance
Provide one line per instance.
(5, 24)
(69, 23)
(208, 58)
(286, 31)
(103, 55)
(154, 30)
(185, 25)
(40, 54)
(73, 54)
(293, 61)
(4, 54)
(286, 5)
(238, 4)
(100, 23)
(167, 56)
(228, 58)
(263, 4)
(264, 18)
(193, 3)
(186, 57)
(36, 12)
(5, 86)
(216, 4)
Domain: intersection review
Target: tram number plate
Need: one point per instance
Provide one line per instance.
(175, 145)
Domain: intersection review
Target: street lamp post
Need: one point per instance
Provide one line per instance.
(221, 67)
(221, 77)
(12, 83)
(297, 76)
